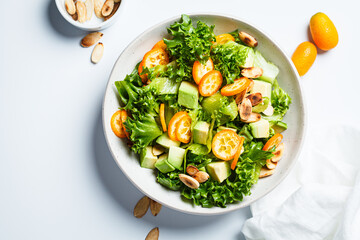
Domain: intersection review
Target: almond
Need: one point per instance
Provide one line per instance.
(107, 8)
(201, 176)
(97, 53)
(153, 234)
(192, 170)
(247, 39)
(155, 207)
(91, 39)
(255, 98)
(70, 7)
(89, 9)
(98, 4)
(116, 6)
(252, 72)
(269, 111)
(270, 165)
(264, 172)
(157, 150)
(278, 153)
(141, 207)
(117, 1)
(245, 109)
(81, 11)
(189, 181)
(74, 17)
(254, 117)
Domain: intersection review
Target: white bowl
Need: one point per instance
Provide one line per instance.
(94, 24)
(145, 179)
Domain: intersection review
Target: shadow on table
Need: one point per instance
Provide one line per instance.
(59, 24)
(126, 195)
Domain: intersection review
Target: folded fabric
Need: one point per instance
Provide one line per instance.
(320, 198)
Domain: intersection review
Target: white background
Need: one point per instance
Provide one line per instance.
(57, 177)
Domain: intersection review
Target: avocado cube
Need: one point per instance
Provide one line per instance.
(262, 87)
(201, 132)
(147, 159)
(188, 95)
(226, 128)
(176, 156)
(166, 142)
(163, 165)
(219, 170)
(260, 129)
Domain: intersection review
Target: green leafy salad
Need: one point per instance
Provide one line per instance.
(204, 112)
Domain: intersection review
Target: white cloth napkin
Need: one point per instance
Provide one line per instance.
(320, 198)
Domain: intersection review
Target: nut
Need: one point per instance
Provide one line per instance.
(155, 207)
(247, 39)
(153, 234)
(117, 1)
(116, 6)
(278, 153)
(107, 8)
(157, 150)
(269, 111)
(89, 4)
(201, 176)
(91, 39)
(240, 97)
(98, 4)
(81, 11)
(254, 117)
(97, 53)
(245, 109)
(255, 98)
(141, 207)
(189, 181)
(70, 7)
(264, 172)
(252, 72)
(270, 165)
(192, 170)
(74, 17)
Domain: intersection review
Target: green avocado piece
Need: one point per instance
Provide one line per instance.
(270, 71)
(163, 165)
(164, 86)
(219, 170)
(279, 127)
(188, 95)
(262, 87)
(261, 106)
(201, 132)
(176, 156)
(166, 142)
(260, 129)
(225, 128)
(212, 103)
(147, 159)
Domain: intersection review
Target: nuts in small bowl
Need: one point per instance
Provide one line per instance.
(90, 15)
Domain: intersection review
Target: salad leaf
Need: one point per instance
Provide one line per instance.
(256, 154)
(280, 100)
(188, 45)
(238, 185)
(170, 180)
(143, 130)
(229, 57)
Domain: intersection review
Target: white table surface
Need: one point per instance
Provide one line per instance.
(57, 177)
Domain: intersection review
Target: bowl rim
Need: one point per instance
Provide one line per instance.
(293, 69)
(83, 26)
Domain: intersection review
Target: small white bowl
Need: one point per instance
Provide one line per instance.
(145, 179)
(94, 24)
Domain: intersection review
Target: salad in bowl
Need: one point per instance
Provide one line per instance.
(204, 112)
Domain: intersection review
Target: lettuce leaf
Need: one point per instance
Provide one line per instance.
(229, 57)
(188, 44)
(280, 100)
